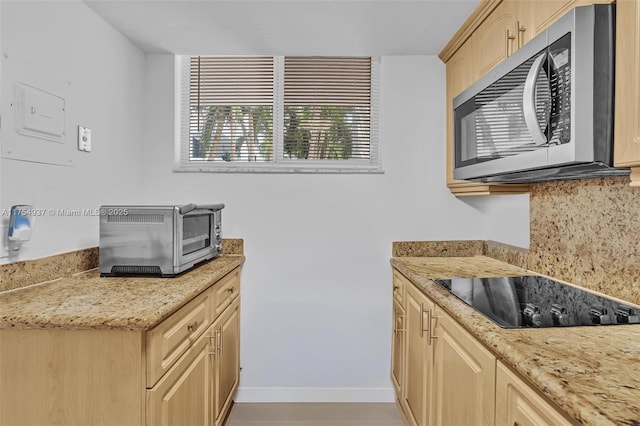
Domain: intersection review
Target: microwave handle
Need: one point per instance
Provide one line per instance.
(529, 101)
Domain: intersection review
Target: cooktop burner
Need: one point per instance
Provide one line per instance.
(536, 301)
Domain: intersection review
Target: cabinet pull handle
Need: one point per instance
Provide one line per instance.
(191, 327)
(221, 340)
(213, 343)
(422, 312)
(396, 287)
(508, 37)
(230, 290)
(431, 328)
(397, 323)
(521, 31)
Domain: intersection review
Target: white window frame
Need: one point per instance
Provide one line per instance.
(279, 163)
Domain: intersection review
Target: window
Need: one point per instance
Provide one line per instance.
(279, 114)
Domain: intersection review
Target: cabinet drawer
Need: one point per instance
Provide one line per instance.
(173, 336)
(399, 287)
(227, 289)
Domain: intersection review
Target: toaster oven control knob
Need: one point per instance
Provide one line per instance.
(218, 247)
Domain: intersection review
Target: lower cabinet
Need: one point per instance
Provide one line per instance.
(519, 405)
(463, 382)
(397, 354)
(447, 377)
(184, 371)
(199, 388)
(418, 359)
(226, 369)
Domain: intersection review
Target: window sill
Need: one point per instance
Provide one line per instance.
(279, 168)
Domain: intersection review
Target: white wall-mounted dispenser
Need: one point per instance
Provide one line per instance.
(20, 223)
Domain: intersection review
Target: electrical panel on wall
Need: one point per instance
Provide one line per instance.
(40, 125)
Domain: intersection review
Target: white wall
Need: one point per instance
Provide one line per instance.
(65, 48)
(316, 286)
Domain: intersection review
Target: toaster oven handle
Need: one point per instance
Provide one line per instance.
(529, 101)
(186, 208)
(190, 207)
(212, 207)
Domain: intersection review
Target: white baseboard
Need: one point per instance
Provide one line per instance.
(248, 394)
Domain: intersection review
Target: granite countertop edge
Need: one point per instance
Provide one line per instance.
(87, 301)
(508, 345)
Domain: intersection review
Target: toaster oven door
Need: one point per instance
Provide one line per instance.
(198, 236)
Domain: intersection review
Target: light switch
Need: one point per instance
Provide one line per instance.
(84, 139)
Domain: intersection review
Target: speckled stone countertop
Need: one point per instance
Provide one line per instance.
(590, 372)
(87, 301)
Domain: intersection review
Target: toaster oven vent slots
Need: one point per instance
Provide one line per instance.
(134, 270)
(136, 218)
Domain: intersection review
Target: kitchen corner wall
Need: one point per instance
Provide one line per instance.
(587, 232)
(316, 286)
(65, 48)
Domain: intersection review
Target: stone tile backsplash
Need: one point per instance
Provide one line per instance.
(587, 232)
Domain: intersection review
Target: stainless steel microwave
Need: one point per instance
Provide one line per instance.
(546, 112)
(158, 240)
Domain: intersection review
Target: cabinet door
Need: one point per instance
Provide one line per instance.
(418, 357)
(544, 13)
(464, 382)
(494, 40)
(397, 348)
(182, 396)
(227, 370)
(627, 116)
(518, 405)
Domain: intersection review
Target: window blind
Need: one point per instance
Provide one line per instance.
(327, 108)
(231, 108)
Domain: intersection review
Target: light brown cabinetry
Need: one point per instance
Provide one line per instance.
(519, 405)
(184, 371)
(450, 378)
(416, 392)
(198, 390)
(397, 345)
(627, 116)
(464, 376)
(226, 370)
(495, 39)
(399, 332)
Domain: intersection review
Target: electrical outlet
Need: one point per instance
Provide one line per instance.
(84, 139)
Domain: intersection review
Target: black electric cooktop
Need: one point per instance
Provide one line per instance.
(536, 301)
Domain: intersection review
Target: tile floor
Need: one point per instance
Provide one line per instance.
(315, 414)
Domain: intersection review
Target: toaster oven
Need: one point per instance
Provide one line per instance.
(158, 240)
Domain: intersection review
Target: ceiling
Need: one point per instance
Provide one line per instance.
(289, 27)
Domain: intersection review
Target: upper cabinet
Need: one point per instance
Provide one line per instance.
(494, 31)
(627, 116)
(503, 32)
